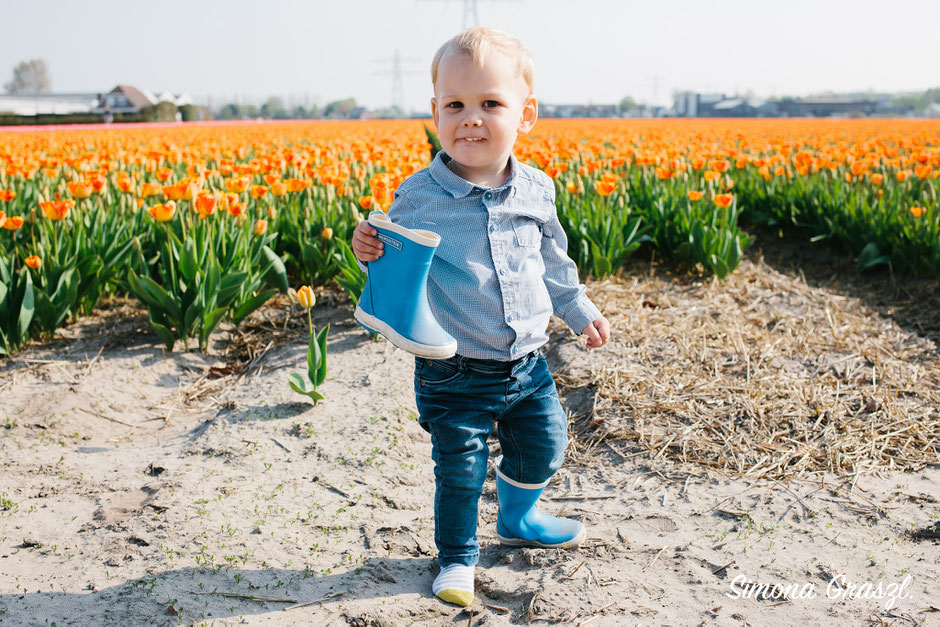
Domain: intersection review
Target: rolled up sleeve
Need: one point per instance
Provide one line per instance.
(569, 299)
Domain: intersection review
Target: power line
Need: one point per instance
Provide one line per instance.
(398, 89)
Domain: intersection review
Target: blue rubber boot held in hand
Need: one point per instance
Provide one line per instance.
(394, 301)
(520, 523)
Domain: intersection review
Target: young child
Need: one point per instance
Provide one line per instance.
(499, 273)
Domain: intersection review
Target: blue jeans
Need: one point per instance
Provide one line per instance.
(458, 400)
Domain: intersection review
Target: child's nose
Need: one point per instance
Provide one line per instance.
(472, 119)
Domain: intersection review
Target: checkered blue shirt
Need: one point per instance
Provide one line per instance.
(501, 269)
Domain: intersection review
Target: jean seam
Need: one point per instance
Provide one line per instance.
(516, 451)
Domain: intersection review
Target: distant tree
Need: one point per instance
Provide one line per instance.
(339, 109)
(932, 95)
(160, 112)
(233, 111)
(229, 112)
(30, 77)
(274, 108)
(627, 104)
(194, 113)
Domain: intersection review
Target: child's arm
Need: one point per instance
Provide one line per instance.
(569, 300)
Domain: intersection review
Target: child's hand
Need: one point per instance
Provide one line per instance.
(365, 244)
(598, 332)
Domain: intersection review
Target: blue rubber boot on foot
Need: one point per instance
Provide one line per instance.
(394, 301)
(520, 523)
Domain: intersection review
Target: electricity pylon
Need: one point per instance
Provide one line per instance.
(398, 89)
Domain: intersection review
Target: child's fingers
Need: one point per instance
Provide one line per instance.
(593, 338)
(366, 247)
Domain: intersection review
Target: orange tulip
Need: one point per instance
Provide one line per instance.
(917, 211)
(296, 185)
(922, 171)
(3, 218)
(720, 165)
(279, 188)
(236, 209)
(902, 175)
(163, 174)
(260, 227)
(13, 223)
(695, 196)
(97, 184)
(188, 190)
(664, 173)
(125, 184)
(604, 188)
(56, 209)
(724, 200)
(33, 262)
(149, 189)
(205, 204)
(163, 212)
(711, 175)
(365, 202)
(173, 192)
(237, 184)
(257, 191)
(7, 194)
(327, 233)
(79, 189)
(877, 179)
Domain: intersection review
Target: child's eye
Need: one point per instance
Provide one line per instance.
(454, 105)
(490, 103)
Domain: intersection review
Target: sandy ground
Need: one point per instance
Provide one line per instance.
(140, 487)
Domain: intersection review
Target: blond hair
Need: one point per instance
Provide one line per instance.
(478, 42)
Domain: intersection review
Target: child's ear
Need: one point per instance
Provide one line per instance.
(434, 111)
(530, 113)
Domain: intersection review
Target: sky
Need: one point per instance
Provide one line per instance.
(585, 51)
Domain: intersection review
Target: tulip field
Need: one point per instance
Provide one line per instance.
(203, 223)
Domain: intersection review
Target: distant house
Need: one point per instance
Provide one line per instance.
(124, 99)
(689, 104)
(579, 111)
(823, 108)
(175, 99)
(743, 108)
(47, 104)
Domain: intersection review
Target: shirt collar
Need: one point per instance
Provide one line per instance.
(459, 187)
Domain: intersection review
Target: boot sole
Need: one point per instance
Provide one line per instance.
(375, 325)
(574, 542)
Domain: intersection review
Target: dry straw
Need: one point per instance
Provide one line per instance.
(764, 375)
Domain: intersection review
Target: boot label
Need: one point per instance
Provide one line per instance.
(391, 241)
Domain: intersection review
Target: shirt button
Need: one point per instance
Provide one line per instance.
(492, 228)
(502, 270)
(509, 318)
(487, 195)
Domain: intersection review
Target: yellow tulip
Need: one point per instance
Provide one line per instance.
(305, 297)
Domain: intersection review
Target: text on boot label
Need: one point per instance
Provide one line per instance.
(391, 241)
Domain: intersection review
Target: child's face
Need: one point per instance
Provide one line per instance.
(479, 112)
